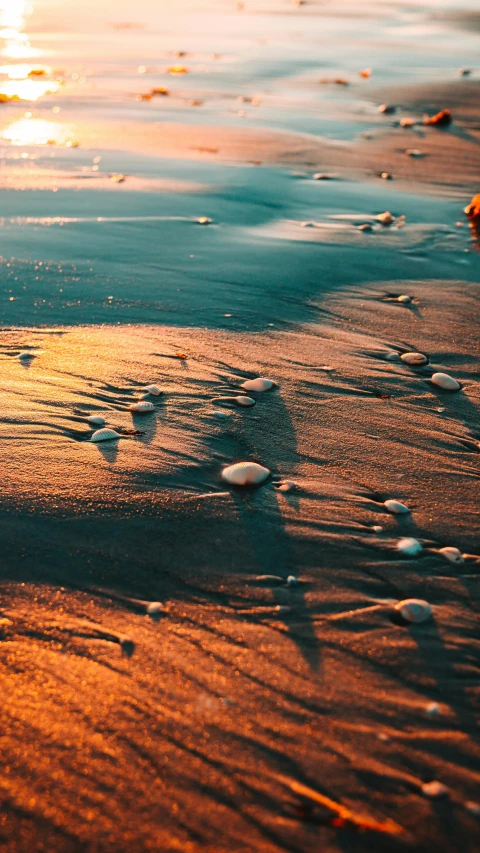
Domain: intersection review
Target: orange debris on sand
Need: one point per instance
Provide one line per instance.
(342, 815)
(177, 69)
(473, 209)
(441, 119)
(366, 73)
(37, 72)
(160, 90)
(181, 355)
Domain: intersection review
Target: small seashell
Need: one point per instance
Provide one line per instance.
(366, 228)
(387, 176)
(127, 646)
(407, 122)
(96, 419)
(473, 807)
(283, 608)
(414, 610)
(434, 789)
(408, 546)
(245, 474)
(143, 407)
(387, 109)
(414, 358)
(154, 610)
(385, 218)
(392, 356)
(285, 486)
(204, 220)
(221, 415)
(432, 709)
(443, 380)
(414, 152)
(396, 507)
(244, 401)
(377, 528)
(105, 435)
(154, 390)
(383, 736)
(258, 384)
(322, 176)
(441, 409)
(404, 299)
(453, 555)
(25, 355)
(292, 580)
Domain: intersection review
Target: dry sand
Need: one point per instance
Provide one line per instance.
(223, 724)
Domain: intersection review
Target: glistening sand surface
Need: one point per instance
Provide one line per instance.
(245, 686)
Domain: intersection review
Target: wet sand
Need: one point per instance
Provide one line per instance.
(221, 724)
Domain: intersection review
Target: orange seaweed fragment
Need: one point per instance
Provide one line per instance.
(441, 119)
(473, 209)
(342, 815)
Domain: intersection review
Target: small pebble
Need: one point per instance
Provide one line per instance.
(441, 409)
(365, 228)
(404, 299)
(385, 218)
(222, 415)
(408, 546)
(396, 507)
(434, 790)
(387, 109)
(284, 486)
(414, 610)
(453, 555)
(415, 359)
(25, 355)
(127, 646)
(154, 610)
(414, 152)
(377, 528)
(407, 122)
(245, 474)
(321, 176)
(244, 401)
(292, 580)
(258, 384)
(443, 380)
(432, 709)
(392, 356)
(473, 807)
(204, 220)
(386, 176)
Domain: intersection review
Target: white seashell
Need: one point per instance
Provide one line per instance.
(105, 435)
(258, 384)
(432, 709)
(377, 529)
(285, 486)
(404, 299)
(222, 415)
(385, 218)
(414, 610)
(396, 507)
(451, 554)
(441, 409)
(409, 546)
(292, 580)
(96, 419)
(434, 789)
(414, 358)
(25, 355)
(244, 401)
(448, 383)
(154, 390)
(473, 807)
(204, 220)
(155, 609)
(414, 152)
(392, 356)
(245, 474)
(142, 407)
